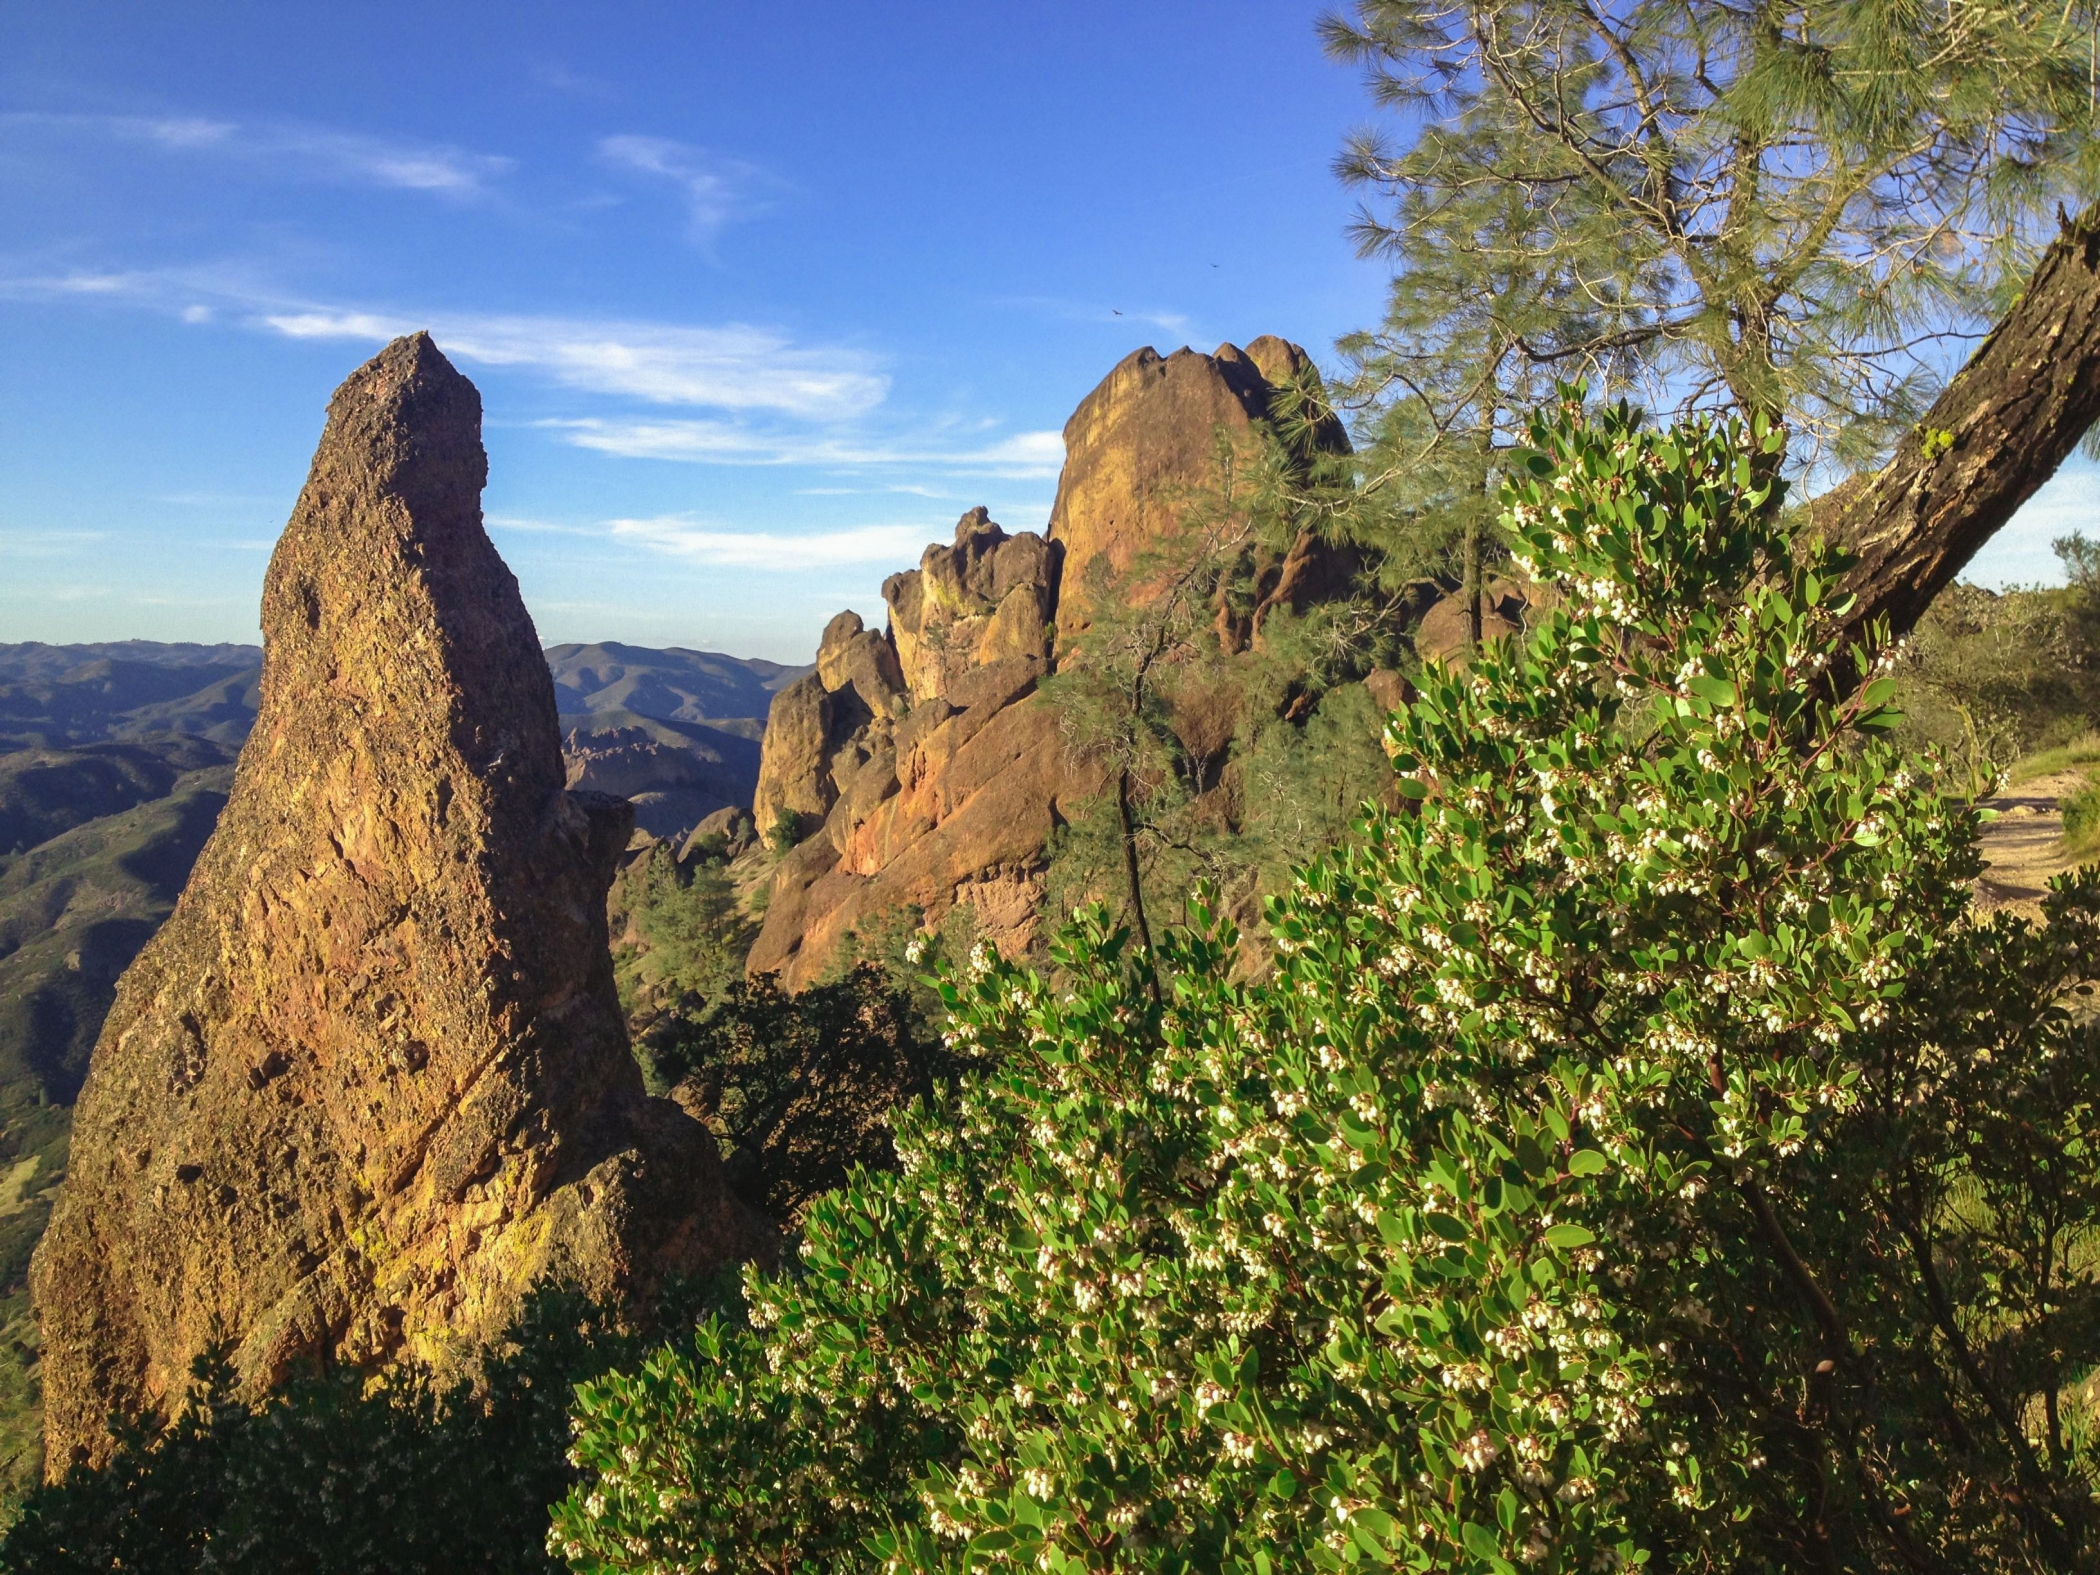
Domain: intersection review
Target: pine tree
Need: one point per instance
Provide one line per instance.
(1786, 211)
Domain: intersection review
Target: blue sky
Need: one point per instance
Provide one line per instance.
(759, 298)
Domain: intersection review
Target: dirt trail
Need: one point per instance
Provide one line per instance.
(2024, 846)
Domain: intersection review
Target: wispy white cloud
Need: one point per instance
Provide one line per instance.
(563, 79)
(778, 401)
(687, 537)
(862, 492)
(734, 367)
(46, 543)
(289, 147)
(213, 500)
(1024, 455)
(731, 366)
(718, 188)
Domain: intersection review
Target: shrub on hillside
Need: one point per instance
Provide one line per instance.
(1637, 1157)
(797, 1089)
(330, 1477)
(678, 928)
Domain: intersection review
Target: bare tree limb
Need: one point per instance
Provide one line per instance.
(1998, 431)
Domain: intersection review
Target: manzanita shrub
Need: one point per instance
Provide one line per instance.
(1638, 1156)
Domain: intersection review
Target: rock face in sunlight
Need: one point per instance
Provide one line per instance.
(986, 597)
(942, 785)
(371, 1079)
(1141, 443)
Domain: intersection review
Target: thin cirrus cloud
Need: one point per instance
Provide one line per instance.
(1026, 455)
(686, 537)
(735, 367)
(286, 147)
(782, 401)
(718, 189)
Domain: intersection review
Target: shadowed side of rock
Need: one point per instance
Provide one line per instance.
(371, 1080)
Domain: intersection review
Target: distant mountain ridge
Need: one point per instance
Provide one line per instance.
(60, 696)
(672, 685)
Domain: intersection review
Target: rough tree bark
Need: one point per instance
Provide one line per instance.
(1995, 434)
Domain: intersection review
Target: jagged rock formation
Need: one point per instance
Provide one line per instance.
(818, 728)
(943, 784)
(725, 831)
(371, 1079)
(987, 597)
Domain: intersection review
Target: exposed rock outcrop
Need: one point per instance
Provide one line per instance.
(1144, 444)
(987, 597)
(818, 728)
(371, 1079)
(727, 831)
(947, 792)
(1507, 607)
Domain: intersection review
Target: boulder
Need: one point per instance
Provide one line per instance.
(371, 1080)
(1441, 636)
(1390, 691)
(794, 766)
(727, 830)
(850, 656)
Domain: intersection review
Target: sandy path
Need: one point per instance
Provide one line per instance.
(2023, 847)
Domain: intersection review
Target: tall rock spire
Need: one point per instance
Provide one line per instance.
(371, 1080)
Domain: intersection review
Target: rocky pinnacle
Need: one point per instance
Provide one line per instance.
(371, 1081)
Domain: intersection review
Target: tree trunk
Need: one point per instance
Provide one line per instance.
(1470, 587)
(1996, 433)
(1136, 884)
(1136, 879)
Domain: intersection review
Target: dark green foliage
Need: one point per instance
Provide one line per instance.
(1766, 209)
(798, 1088)
(1637, 1158)
(678, 928)
(2082, 815)
(324, 1478)
(902, 947)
